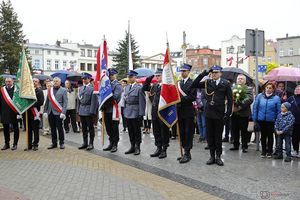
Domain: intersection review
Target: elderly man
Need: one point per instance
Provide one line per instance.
(56, 108)
(134, 110)
(111, 112)
(240, 117)
(8, 113)
(34, 117)
(87, 108)
(217, 90)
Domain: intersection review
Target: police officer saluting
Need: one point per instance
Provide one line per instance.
(160, 130)
(87, 107)
(186, 113)
(111, 112)
(217, 90)
(134, 110)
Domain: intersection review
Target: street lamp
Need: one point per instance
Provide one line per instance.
(240, 49)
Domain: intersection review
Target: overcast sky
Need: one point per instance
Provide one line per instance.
(205, 22)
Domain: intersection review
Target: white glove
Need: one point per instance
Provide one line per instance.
(45, 115)
(19, 116)
(62, 116)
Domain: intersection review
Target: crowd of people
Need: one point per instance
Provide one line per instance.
(207, 105)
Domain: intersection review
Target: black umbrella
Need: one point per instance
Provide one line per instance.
(42, 77)
(231, 73)
(4, 76)
(74, 76)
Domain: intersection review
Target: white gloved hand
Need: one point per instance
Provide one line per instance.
(45, 115)
(62, 116)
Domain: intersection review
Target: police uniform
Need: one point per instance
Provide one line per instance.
(216, 92)
(134, 110)
(160, 130)
(87, 108)
(111, 105)
(186, 114)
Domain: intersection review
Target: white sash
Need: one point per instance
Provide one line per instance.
(8, 100)
(181, 92)
(53, 100)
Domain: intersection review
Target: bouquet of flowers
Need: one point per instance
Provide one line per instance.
(239, 93)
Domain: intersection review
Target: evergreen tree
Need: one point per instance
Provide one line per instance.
(121, 58)
(11, 38)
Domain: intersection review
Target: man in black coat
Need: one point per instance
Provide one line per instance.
(217, 91)
(160, 130)
(8, 113)
(34, 117)
(186, 112)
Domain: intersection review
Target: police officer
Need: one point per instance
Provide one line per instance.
(111, 112)
(186, 112)
(160, 130)
(134, 110)
(217, 90)
(34, 118)
(87, 108)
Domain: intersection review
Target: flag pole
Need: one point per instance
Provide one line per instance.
(177, 123)
(102, 128)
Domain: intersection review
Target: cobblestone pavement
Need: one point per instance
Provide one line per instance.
(245, 175)
(73, 174)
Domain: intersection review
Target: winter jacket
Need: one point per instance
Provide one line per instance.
(266, 108)
(285, 123)
(295, 107)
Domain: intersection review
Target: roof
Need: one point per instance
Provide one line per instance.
(288, 38)
(48, 47)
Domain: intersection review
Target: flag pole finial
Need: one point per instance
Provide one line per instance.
(167, 39)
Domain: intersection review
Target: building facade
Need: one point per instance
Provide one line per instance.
(203, 58)
(233, 53)
(49, 58)
(155, 61)
(289, 51)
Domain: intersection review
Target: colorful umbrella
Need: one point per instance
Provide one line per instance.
(283, 74)
(144, 72)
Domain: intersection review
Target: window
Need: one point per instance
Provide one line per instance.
(57, 52)
(299, 65)
(82, 66)
(36, 63)
(72, 54)
(263, 59)
(65, 53)
(241, 49)
(89, 67)
(89, 53)
(281, 52)
(48, 52)
(146, 65)
(291, 51)
(299, 52)
(95, 67)
(82, 52)
(37, 52)
(64, 63)
(205, 61)
(95, 53)
(56, 64)
(229, 50)
(48, 62)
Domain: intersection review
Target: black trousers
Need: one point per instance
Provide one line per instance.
(267, 131)
(187, 130)
(239, 126)
(56, 123)
(70, 117)
(87, 127)
(33, 130)
(296, 137)
(214, 128)
(147, 123)
(161, 133)
(134, 130)
(112, 128)
(7, 134)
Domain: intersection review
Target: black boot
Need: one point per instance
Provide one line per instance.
(109, 147)
(131, 150)
(163, 153)
(212, 159)
(156, 153)
(137, 150)
(186, 157)
(83, 146)
(6, 146)
(114, 148)
(219, 160)
(90, 147)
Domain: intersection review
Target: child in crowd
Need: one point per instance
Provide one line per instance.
(284, 129)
